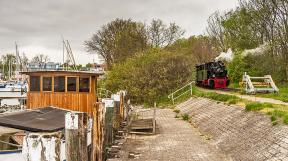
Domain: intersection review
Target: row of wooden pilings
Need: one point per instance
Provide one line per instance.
(85, 137)
(76, 141)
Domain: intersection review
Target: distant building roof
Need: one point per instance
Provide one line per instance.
(64, 72)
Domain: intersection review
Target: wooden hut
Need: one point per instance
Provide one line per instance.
(72, 90)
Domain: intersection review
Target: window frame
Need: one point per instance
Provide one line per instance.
(89, 86)
(65, 82)
(77, 84)
(52, 83)
(40, 82)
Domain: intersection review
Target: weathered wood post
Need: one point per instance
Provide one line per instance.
(97, 132)
(94, 132)
(154, 118)
(122, 106)
(75, 136)
(42, 146)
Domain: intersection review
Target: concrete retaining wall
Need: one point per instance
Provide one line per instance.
(242, 135)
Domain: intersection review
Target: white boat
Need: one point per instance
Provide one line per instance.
(16, 86)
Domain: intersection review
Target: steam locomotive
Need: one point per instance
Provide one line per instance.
(212, 75)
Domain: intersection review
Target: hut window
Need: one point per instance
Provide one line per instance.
(59, 84)
(47, 83)
(84, 84)
(34, 83)
(71, 84)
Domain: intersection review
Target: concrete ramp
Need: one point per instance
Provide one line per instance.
(239, 134)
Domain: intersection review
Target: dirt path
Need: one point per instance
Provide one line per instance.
(176, 140)
(250, 97)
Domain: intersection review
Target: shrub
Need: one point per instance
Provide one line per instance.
(274, 123)
(185, 117)
(150, 75)
(273, 118)
(285, 119)
(176, 111)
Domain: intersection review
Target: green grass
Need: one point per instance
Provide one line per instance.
(277, 112)
(282, 95)
(230, 99)
(256, 106)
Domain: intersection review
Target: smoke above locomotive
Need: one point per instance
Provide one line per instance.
(212, 75)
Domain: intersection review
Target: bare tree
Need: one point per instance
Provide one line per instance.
(161, 35)
(216, 31)
(41, 58)
(118, 40)
(23, 62)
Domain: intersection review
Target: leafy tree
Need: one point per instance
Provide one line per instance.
(8, 63)
(236, 68)
(89, 65)
(198, 48)
(239, 31)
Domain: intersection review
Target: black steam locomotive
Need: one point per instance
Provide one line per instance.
(212, 75)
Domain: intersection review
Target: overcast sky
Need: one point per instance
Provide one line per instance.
(37, 25)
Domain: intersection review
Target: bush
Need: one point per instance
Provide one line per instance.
(176, 111)
(150, 75)
(285, 119)
(185, 117)
(273, 118)
(236, 68)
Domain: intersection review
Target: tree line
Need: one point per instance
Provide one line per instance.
(148, 60)
(254, 23)
(8, 62)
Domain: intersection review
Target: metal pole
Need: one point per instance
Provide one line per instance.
(154, 119)
(191, 88)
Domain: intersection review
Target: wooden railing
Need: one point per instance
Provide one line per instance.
(180, 92)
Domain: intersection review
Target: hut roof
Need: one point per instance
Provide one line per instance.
(65, 72)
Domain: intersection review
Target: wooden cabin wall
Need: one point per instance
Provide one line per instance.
(76, 101)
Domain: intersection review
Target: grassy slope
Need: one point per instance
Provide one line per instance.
(282, 95)
(278, 113)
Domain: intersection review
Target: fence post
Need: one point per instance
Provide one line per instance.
(94, 131)
(75, 136)
(191, 88)
(173, 98)
(154, 119)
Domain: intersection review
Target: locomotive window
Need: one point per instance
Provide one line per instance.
(84, 84)
(47, 83)
(34, 83)
(71, 84)
(59, 84)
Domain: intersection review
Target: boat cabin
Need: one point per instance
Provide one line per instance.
(72, 90)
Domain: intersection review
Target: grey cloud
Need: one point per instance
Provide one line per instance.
(42, 22)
